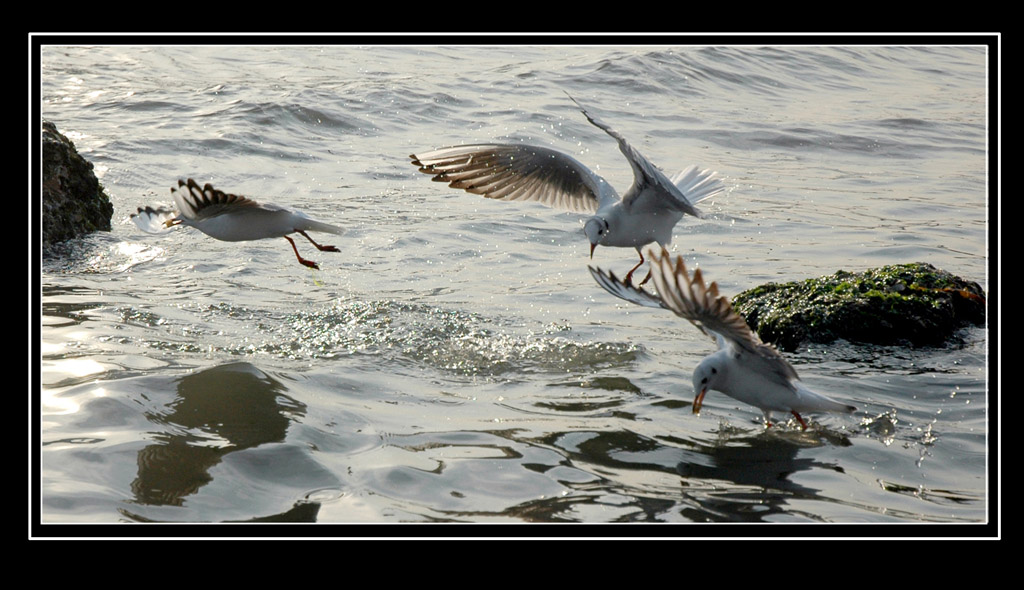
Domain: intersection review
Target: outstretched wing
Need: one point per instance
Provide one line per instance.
(689, 297)
(625, 291)
(197, 202)
(516, 172)
(651, 189)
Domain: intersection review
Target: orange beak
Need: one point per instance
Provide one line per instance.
(699, 401)
(592, 247)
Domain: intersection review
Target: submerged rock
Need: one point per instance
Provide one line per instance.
(915, 304)
(73, 200)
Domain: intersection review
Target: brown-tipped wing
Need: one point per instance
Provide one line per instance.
(513, 172)
(195, 202)
(689, 297)
(625, 291)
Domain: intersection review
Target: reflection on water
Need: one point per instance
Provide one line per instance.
(216, 412)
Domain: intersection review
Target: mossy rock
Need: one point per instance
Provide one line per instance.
(914, 304)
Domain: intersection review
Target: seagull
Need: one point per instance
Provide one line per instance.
(231, 218)
(646, 213)
(744, 368)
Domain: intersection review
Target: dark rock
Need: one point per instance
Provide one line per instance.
(914, 304)
(73, 200)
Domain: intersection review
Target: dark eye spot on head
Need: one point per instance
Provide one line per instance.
(714, 371)
(704, 380)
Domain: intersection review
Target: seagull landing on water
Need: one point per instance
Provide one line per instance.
(646, 213)
(231, 218)
(744, 368)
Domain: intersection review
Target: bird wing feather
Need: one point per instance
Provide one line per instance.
(518, 172)
(691, 298)
(195, 202)
(651, 189)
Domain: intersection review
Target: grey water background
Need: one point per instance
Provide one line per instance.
(456, 362)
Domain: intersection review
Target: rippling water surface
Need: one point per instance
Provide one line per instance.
(456, 362)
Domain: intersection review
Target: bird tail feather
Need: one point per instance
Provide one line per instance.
(320, 226)
(698, 185)
(814, 401)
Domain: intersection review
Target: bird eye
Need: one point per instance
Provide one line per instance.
(714, 371)
(704, 380)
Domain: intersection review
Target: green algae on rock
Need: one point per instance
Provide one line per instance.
(913, 303)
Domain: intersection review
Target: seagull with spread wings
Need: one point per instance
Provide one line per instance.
(744, 368)
(647, 212)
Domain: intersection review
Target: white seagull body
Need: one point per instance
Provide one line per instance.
(744, 368)
(231, 218)
(646, 213)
